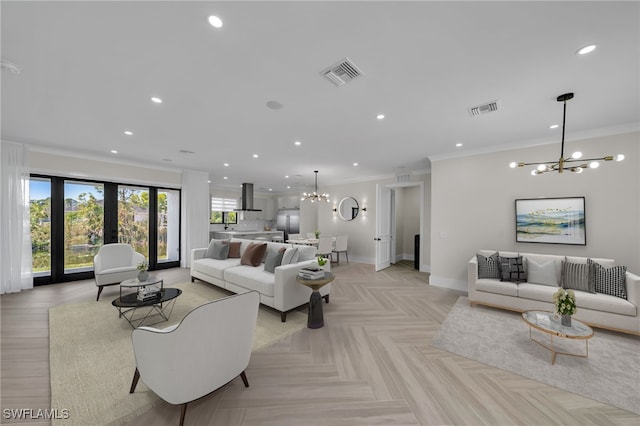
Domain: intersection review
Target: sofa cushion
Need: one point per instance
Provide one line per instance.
(610, 281)
(253, 254)
(535, 291)
(306, 253)
(218, 249)
(488, 266)
(576, 276)
(214, 267)
(604, 303)
(498, 287)
(273, 259)
(252, 279)
(234, 249)
(290, 256)
(542, 273)
(512, 269)
(118, 270)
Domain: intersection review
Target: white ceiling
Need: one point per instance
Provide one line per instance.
(90, 68)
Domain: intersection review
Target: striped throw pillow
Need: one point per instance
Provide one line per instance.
(576, 276)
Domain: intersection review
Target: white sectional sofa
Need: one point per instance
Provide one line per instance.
(278, 290)
(596, 309)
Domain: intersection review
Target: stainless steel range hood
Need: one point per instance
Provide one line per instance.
(246, 203)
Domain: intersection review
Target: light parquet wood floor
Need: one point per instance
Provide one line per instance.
(371, 364)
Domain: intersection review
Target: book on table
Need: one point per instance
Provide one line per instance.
(311, 273)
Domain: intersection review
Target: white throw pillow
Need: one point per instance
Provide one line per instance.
(542, 273)
(290, 256)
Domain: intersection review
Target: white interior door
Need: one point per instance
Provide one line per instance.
(383, 227)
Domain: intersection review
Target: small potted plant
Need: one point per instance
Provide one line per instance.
(322, 261)
(317, 234)
(565, 303)
(143, 270)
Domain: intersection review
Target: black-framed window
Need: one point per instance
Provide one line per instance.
(222, 211)
(72, 218)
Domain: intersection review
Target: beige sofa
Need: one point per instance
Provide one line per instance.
(278, 290)
(596, 309)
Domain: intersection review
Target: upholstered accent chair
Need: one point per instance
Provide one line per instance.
(209, 348)
(115, 263)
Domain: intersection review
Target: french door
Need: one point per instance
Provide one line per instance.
(71, 219)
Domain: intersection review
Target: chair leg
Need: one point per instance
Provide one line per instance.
(347, 256)
(326, 298)
(134, 383)
(283, 316)
(183, 412)
(243, 375)
(99, 291)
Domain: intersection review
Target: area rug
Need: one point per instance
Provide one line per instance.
(500, 338)
(92, 362)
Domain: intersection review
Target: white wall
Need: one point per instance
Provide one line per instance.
(472, 201)
(45, 162)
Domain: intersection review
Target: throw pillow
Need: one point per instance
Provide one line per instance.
(512, 269)
(273, 260)
(234, 249)
(253, 254)
(610, 281)
(218, 249)
(488, 266)
(542, 273)
(576, 276)
(290, 256)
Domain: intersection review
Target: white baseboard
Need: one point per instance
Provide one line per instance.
(460, 285)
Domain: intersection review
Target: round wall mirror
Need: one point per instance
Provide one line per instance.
(348, 208)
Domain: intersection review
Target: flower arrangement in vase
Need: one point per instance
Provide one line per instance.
(143, 270)
(565, 303)
(317, 234)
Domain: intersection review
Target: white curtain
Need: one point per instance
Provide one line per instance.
(195, 214)
(15, 231)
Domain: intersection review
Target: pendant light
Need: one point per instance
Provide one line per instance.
(313, 197)
(563, 163)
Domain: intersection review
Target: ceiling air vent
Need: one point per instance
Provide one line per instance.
(479, 110)
(342, 72)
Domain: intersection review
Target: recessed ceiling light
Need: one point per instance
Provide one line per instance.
(225, 178)
(128, 133)
(298, 143)
(215, 21)
(255, 155)
(226, 164)
(355, 164)
(113, 151)
(553, 126)
(458, 145)
(286, 177)
(288, 187)
(380, 116)
(156, 100)
(587, 49)
(270, 189)
(208, 181)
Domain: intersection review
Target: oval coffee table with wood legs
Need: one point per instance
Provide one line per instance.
(547, 323)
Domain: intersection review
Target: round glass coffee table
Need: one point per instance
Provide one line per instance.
(549, 323)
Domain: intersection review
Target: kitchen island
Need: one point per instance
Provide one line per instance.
(245, 234)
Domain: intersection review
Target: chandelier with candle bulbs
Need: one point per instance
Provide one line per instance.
(314, 196)
(575, 163)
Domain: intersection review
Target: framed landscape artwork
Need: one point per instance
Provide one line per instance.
(551, 221)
